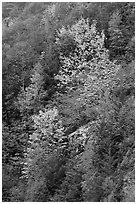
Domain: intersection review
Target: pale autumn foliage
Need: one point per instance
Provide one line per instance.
(88, 68)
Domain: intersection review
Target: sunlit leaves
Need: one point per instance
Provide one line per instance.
(47, 136)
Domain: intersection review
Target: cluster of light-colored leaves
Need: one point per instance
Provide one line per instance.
(46, 138)
(48, 16)
(48, 124)
(89, 67)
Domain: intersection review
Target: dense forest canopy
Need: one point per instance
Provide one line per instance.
(68, 101)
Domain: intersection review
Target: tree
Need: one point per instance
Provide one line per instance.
(70, 189)
(14, 143)
(121, 32)
(86, 73)
(30, 98)
(45, 155)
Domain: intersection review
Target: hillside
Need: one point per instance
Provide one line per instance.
(68, 102)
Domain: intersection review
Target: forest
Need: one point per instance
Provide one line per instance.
(68, 102)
